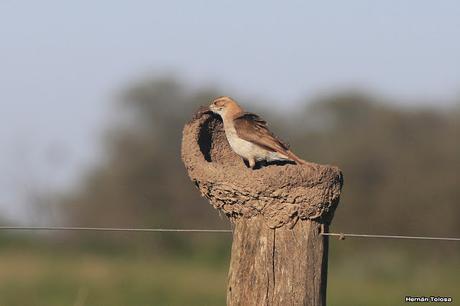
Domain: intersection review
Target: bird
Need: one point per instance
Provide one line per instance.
(249, 136)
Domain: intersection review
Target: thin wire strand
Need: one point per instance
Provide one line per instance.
(109, 229)
(342, 236)
(119, 229)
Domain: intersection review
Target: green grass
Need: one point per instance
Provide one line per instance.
(63, 279)
(359, 274)
(385, 272)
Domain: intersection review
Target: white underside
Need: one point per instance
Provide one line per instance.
(248, 150)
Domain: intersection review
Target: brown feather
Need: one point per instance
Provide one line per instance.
(254, 129)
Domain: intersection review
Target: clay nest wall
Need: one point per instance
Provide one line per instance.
(281, 193)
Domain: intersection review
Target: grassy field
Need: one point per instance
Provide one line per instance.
(35, 279)
(383, 272)
(360, 273)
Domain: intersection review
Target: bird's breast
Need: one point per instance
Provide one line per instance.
(243, 148)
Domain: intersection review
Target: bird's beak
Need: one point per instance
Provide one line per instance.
(205, 110)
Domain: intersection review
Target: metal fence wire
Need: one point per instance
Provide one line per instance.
(340, 236)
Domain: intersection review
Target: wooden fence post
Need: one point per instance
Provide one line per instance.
(279, 256)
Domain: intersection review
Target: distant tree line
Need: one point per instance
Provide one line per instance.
(401, 164)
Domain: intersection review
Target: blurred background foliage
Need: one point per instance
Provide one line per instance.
(401, 169)
(400, 165)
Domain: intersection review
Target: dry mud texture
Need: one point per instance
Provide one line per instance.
(282, 194)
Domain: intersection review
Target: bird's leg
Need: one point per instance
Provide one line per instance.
(252, 163)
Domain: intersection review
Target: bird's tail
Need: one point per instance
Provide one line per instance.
(295, 158)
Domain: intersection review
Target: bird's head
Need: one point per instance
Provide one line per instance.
(225, 106)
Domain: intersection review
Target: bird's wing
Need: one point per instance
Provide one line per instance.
(254, 129)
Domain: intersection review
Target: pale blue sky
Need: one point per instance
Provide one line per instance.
(61, 63)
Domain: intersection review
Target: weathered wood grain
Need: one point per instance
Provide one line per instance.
(278, 266)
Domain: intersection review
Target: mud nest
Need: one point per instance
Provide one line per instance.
(281, 193)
